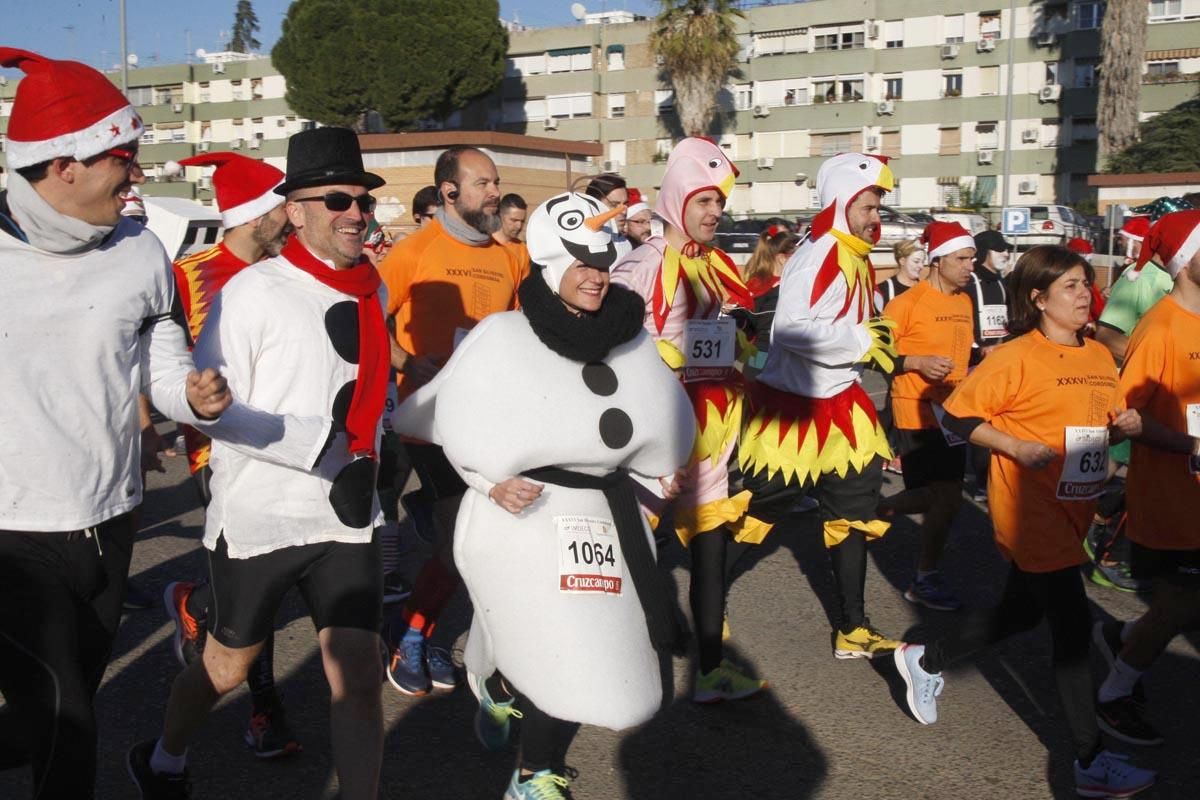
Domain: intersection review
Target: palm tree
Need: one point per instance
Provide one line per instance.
(1123, 46)
(696, 43)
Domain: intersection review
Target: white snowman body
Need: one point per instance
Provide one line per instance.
(504, 404)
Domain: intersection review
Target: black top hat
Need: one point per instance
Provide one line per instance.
(326, 157)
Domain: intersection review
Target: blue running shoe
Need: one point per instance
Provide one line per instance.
(932, 592)
(492, 725)
(407, 668)
(544, 785)
(440, 669)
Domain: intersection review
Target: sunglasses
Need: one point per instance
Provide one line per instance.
(340, 201)
(128, 156)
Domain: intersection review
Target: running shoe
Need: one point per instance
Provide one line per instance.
(1106, 635)
(420, 511)
(269, 735)
(923, 688)
(136, 597)
(979, 495)
(188, 641)
(726, 633)
(1122, 719)
(1111, 775)
(440, 669)
(407, 669)
(726, 682)
(1115, 575)
(492, 719)
(932, 592)
(893, 466)
(544, 785)
(395, 588)
(154, 785)
(862, 642)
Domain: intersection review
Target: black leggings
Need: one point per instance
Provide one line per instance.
(261, 677)
(714, 556)
(544, 739)
(60, 603)
(1028, 598)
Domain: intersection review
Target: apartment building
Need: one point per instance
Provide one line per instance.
(827, 76)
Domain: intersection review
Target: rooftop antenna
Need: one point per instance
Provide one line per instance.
(578, 11)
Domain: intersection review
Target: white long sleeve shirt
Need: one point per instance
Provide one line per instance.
(80, 336)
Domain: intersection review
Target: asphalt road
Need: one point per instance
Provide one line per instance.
(826, 728)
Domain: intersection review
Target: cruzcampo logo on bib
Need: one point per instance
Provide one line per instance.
(1085, 463)
(589, 556)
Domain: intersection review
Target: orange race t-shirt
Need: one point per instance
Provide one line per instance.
(439, 288)
(928, 323)
(1061, 396)
(1161, 378)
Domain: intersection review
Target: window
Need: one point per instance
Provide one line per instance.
(950, 194)
(1091, 15)
(953, 26)
(616, 57)
(1162, 71)
(573, 59)
(1162, 9)
(839, 38)
(569, 106)
(893, 88)
(616, 106)
(790, 92)
(1083, 129)
(893, 33)
(1049, 133)
(1085, 72)
(949, 141)
(664, 101)
(892, 198)
(141, 95)
(1051, 73)
(891, 145)
(986, 136)
(527, 111)
(770, 43)
(824, 90)
(532, 64)
(616, 152)
(952, 83)
(850, 90)
(989, 25)
(662, 149)
(989, 80)
(743, 97)
(830, 144)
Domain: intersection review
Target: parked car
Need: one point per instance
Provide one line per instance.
(1052, 225)
(975, 223)
(897, 226)
(921, 217)
(738, 237)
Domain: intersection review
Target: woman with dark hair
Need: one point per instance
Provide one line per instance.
(611, 190)
(1045, 404)
(545, 413)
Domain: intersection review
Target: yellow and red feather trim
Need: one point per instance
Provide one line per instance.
(718, 409)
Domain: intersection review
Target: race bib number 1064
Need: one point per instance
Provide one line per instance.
(589, 556)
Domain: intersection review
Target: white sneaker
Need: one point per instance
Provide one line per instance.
(1111, 775)
(923, 687)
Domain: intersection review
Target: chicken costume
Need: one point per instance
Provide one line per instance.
(680, 289)
(812, 424)
(569, 605)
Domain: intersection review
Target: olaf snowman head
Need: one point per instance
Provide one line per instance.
(568, 230)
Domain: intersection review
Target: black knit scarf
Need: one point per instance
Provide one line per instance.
(587, 337)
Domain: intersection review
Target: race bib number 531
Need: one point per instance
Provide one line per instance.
(589, 556)
(1085, 464)
(708, 348)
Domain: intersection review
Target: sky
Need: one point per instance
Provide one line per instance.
(168, 31)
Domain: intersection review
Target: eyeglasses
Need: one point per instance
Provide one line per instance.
(340, 201)
(127, 155)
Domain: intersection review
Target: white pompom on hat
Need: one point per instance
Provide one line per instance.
(944, 238)
(245, 187)
(64, 109)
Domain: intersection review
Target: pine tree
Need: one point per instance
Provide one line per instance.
(1169, 142)
(245, 25)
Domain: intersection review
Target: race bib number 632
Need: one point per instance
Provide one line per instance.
(1085, 463)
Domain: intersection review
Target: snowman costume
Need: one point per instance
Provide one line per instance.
(569, 606)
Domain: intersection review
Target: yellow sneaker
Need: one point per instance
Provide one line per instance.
(726, 682)
(725, 634)
(862, 642)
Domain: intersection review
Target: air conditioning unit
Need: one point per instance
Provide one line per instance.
(949, 51)
(1027, 187)
(1046, 39)
(985, 46)
(873, 30)
(205, 182)
(255, 143)
(177, 108)
(885, 107)
(550, 124)
(985, 156)
(764, 163)
(762, 111)
(1049, 94)
(218, 68)
(203, 147)
(872, 142)
(1029, 135)
(611, 166)
(235, 144)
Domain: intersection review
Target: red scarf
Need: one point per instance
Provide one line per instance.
(370, 388)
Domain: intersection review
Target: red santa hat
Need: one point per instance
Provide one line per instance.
(1135, 228)
(944, 238)
(245, 187)
(1174, 239)
(1081, 246)
(64, 109)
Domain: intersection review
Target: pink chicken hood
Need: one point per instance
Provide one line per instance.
(695, 165)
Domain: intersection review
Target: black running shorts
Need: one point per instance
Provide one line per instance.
(925, 458)
(1180, 567)
(341, 583)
